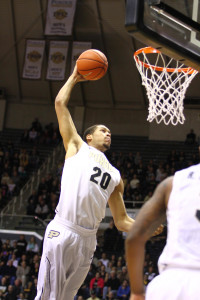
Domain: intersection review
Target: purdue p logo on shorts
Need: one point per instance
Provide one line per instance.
(53, 233)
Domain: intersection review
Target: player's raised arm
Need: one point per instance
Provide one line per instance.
(148, 219)
(66, 124)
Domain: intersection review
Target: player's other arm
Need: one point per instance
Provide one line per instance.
(72, 141)
(116, 203)
(149, 217)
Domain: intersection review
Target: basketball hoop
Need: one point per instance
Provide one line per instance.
(165, 85)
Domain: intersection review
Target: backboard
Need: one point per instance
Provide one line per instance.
(172, 26)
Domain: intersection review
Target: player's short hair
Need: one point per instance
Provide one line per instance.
(89, 130)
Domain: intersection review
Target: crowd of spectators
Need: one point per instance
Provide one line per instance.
(18, 159)
(19, 265)
(108, 277)
(42, 135)
(140, 179)
(15, 165)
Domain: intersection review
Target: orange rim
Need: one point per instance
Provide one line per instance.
(150, 50)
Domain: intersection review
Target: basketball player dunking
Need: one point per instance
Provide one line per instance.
(179, 263)
(88, 182)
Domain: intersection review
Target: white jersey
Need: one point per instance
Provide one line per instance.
(88, 179)
(183, 215)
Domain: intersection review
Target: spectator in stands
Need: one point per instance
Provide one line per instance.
(97, 284)
(104, 259)
(35, 259)
(22, 273)
(4, 253)
(34, 159)
(10, 272)
(25, 136)
(3, 285)
(134, 182)
(145, 281)
(32, 135)
(30, 209)
(49, 180)
(11, 188)
(123, 275)
(8, 243)
(5, 178)
(23, 258)
(55, 136)
(42, 186)
(103, 271)
(110, 296)
(34, 196)
(22, 173)
(37, 125)
(137, 197)
(14, 258)
(32, 246)
(129, 158)
(110, 237)
(33, 290)
(33, 274)
(138, 158)
(150, 273)
(15, 177)
(21, 245)
(10, 294)
(42, 209)
(15, 159)
(7, 158)
(15, 249)
(4, 192)
(93, 296)
(112, 284)
(160, 173)
(113, 259)
(190, 138)
(83, 291)
(123, 291)
(23, 158)
(17, 287)
(21, 297)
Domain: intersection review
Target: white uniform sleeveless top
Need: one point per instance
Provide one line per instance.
(88, 179)
(183, 214)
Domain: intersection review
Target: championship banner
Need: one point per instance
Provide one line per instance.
(33, 59)
(57, 60)
(77, 49)
(60, 17)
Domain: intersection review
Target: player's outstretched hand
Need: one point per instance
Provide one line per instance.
(76, 76)
(159, 230)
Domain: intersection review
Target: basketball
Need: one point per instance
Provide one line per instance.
(92, 64)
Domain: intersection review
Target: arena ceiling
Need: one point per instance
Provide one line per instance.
(100, 21)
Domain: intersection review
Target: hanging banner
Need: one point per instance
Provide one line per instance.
(57, 60)
(33, 59)
(60, 17)
(77, 49)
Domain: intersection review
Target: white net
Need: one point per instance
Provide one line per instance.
(166, 81)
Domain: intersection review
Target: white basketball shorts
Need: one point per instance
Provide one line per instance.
(67, 254)
(175, 284)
